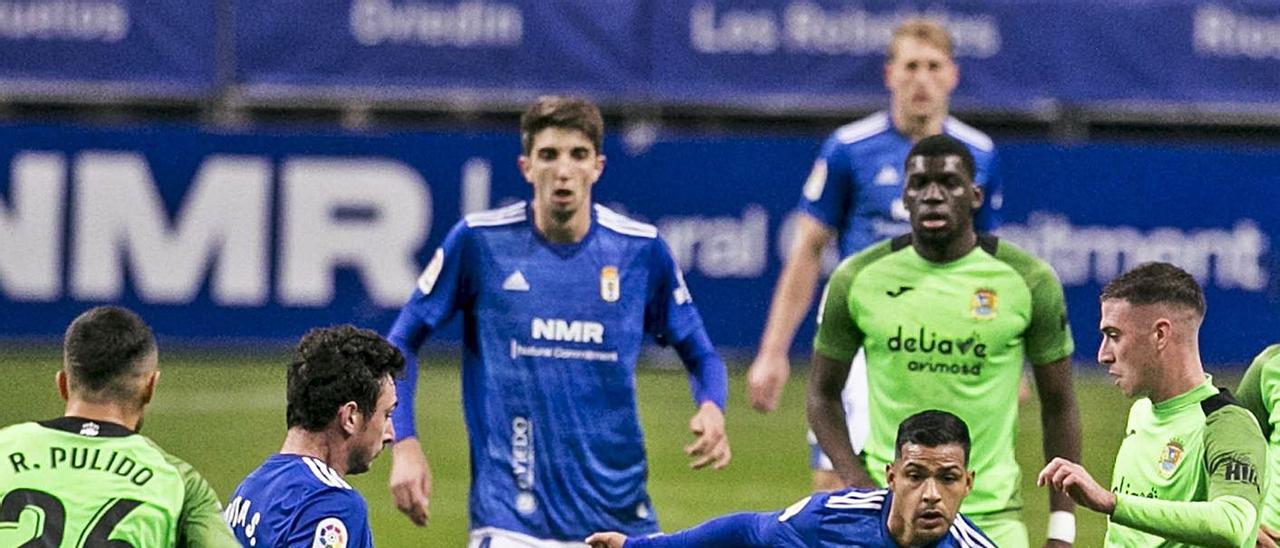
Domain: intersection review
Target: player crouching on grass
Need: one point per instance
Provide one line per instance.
(341, 391)
(927, 480)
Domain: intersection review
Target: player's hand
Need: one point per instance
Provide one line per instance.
(765, 380)
(411, 480)
(1055, 543)
(607, 540)
(712, 444)
(1267, 538)
(1075, 481)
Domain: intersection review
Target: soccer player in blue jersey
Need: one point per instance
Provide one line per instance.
(927, 481)
(556, 297)
(340, 396)
(854, 195)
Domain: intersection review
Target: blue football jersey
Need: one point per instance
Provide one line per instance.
(297, 501)
(849, 517)
(551, 334)
(856, 183)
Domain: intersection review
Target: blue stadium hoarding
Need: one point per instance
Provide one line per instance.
(218, 236)
(121, 47)
(1030, 56)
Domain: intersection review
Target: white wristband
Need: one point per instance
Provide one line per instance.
(1062, 526)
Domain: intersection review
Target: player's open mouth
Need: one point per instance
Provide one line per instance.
(931, 516)
(933, 220)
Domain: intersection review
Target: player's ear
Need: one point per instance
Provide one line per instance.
(889, 475)
(522, 162)
(978, 197)
(60, 379)
(1162, 331)
(150, 389)
(347, 417)
(968, 482)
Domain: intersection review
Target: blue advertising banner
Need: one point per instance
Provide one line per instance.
(1030, 56)
(218, 237)
(130, 47)
(386, 46)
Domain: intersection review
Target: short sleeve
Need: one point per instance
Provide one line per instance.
(1048, 336)
(200, 524)
(828, 191)
(838, 337)
(334, 517)
(670, 314)
(1235, 454)
(442, 287)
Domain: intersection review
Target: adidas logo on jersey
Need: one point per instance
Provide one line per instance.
(887, 176)
(515, 282)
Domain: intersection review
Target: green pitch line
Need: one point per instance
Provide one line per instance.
(225, 414)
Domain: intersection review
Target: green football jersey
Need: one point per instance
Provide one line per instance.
(72, 482)
(1189, 473)
(1259, 392)
(950, 336)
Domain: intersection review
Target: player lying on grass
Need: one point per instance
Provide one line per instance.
(927, 480)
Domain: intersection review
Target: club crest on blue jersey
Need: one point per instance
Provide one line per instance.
(1172, 456)
(983, 304)
(610, 285)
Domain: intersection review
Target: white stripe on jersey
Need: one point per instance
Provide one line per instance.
(625, 225)
(326, 475)
(502, 538)
(511, 214)
(861, 129)
(966, 537)
(968, 134)
(855, 500)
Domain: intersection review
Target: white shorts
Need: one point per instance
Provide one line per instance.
(856, 414)
(492, 537)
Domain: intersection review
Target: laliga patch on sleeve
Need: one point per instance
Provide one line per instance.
(428, 278)
(330, 533)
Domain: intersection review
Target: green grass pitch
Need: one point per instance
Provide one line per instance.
(224, 414)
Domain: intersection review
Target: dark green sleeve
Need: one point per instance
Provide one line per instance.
(200, 523)
(1235, 461)
(1048, 335)
(838, 338)
(1252, 394)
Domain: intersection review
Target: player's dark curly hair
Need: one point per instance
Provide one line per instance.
(932, 428)
(945, 145)
(1156, 283)
(336, 365)
(102, 352)
(561, 112)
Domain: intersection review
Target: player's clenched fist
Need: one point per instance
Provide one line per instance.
(1075, 481)
(765, 379)
(711, 445)
(411, 480)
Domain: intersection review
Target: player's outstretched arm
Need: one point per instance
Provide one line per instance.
(825, 410)
(744, 530)
(711, 444)
(410, 480)
(791, 298)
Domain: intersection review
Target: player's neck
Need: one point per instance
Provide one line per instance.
(916, 128)
(299, 441)
(104, 412)
(947, 251)
(570, 230)
(1182, 374)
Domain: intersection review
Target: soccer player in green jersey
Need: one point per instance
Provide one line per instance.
(1259, 392)
(1190, 469)
(946, 317)
(88, 478)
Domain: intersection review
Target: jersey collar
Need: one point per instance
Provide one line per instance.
(1194, 396)
(87, 427)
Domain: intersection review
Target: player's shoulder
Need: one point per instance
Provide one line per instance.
(322, 479)
(503, 216)
(855, 499)
(968, 135)
(1032, 268)
(965, 534)
(623, 225)
(862, 129)
(858, 262)
(1268, 358)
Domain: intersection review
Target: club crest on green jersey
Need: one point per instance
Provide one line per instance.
(1173, 453)
(983, 304)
